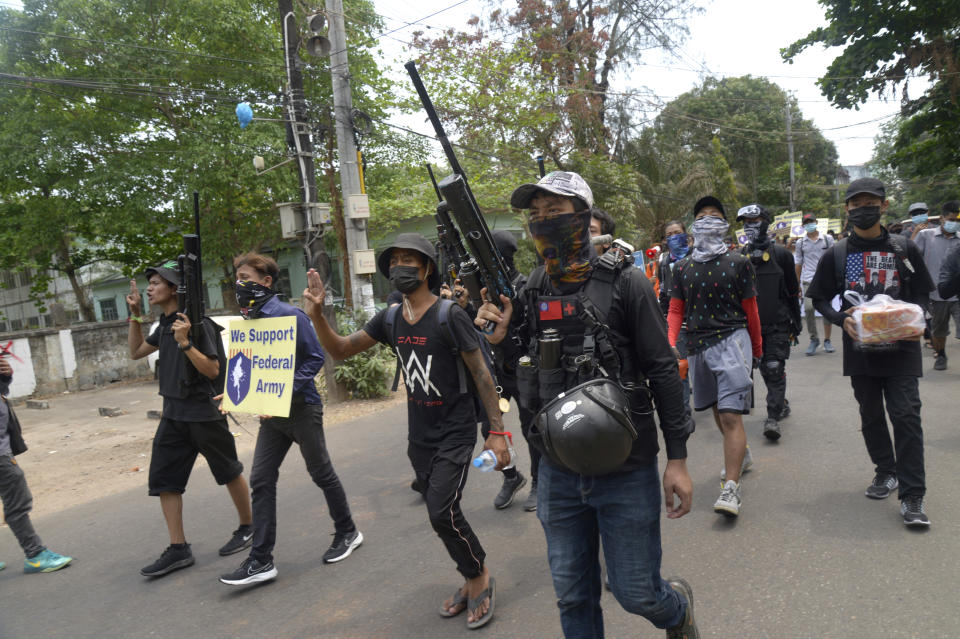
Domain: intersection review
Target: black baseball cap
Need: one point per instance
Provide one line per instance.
(871, 186)
(709, 200)
(168, 271)
(953, 206)
(415, 242)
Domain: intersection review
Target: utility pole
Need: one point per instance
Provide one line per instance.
(355, 210)
(793, 184)
(313, 249)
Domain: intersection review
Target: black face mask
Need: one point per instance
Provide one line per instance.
(864, 217)
(251, 297)
(405, 279)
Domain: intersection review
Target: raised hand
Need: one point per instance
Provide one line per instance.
(315, 295)
(133, 298)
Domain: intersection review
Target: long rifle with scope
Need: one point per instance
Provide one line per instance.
(480, 264)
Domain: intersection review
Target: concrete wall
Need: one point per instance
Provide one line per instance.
(50, 361)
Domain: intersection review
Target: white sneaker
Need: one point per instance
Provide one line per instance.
(729, 501)
(744, 467)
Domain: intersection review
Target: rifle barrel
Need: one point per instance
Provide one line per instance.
(411, 68)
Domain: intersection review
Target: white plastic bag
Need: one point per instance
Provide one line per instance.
(883, 320)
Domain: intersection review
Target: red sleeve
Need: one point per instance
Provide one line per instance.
(753, 324)
(675, 319)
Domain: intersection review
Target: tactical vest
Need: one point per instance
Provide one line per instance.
(772, 297)
(590, 350)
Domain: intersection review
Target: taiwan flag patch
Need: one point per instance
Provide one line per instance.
(551, 310)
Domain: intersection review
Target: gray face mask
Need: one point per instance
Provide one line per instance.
(708, 238)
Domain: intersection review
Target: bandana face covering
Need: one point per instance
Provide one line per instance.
(563, 241)
(756, 231)
(708, 234)
(679, 246)
(251, 297)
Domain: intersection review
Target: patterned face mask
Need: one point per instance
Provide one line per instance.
(708, 233)
(251, 297)
(563, 241)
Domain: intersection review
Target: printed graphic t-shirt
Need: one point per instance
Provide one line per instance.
(438, 415)
(713, 294)
(871, 269)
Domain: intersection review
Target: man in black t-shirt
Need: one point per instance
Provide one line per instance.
(870, 253)
(442, 421)
(714, 292)
(191, 423)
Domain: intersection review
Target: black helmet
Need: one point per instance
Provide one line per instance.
(587, 429)
(416, 242)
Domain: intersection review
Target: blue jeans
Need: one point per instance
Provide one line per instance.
(623, 511)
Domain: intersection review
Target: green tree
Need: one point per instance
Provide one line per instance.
(884, 44)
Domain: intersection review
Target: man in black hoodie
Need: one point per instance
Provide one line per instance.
(891, 373)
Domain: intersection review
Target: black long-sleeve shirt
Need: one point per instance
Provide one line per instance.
(638, 331)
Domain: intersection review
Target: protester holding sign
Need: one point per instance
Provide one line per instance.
(191, 422)
(256, 277)
(431, 337)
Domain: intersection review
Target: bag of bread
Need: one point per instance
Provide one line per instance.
(883, 321)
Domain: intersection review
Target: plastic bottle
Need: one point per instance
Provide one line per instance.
(487, 461)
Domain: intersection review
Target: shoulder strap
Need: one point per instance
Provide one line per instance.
(390, 324)
(840, 265)
(449, 338)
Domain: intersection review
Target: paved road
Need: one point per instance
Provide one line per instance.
(809, 556)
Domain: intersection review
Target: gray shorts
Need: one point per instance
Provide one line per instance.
(940, 317)
(721, 374)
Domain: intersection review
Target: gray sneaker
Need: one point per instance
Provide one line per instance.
(530, 505)
(913, 512)
(744, 467)
(812, 349)
(881, 486)
(687, 629)
(729, 501)
(771, 429)
(509, 490)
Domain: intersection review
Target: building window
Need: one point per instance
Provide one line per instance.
(47, 320)
(73, 316)
(16, 325)
(3, 327)
(9, 279)
(108, 310)
(33, 322)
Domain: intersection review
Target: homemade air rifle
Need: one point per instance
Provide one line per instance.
(480, 264)
(450, 246)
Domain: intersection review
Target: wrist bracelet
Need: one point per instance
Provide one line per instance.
(505, 433)
(139, 319)
(185, 348)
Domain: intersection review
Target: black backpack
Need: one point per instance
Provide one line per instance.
(449, 338)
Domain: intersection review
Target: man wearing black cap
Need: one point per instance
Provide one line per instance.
(890, 374)
(191, 423)
(714, 292)
(778, 300)
(442, 420)
(935, 243)
(560, 309)
(807, 253)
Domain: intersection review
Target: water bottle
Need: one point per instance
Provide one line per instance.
(487, 461)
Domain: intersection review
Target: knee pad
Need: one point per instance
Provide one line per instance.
(773, 368)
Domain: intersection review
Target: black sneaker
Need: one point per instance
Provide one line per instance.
(530, 505)
(172, 559)
(771, 429)
(509, 490)
(687, 629)
(242, 538)
(251, 571)
(912, 511)
(882, 486)
(343, 544)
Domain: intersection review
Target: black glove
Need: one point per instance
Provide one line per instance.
(756, 362)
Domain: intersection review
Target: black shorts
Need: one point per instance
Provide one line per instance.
(175, 449)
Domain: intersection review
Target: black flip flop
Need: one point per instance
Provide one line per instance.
(473, 604)
(458, 598)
